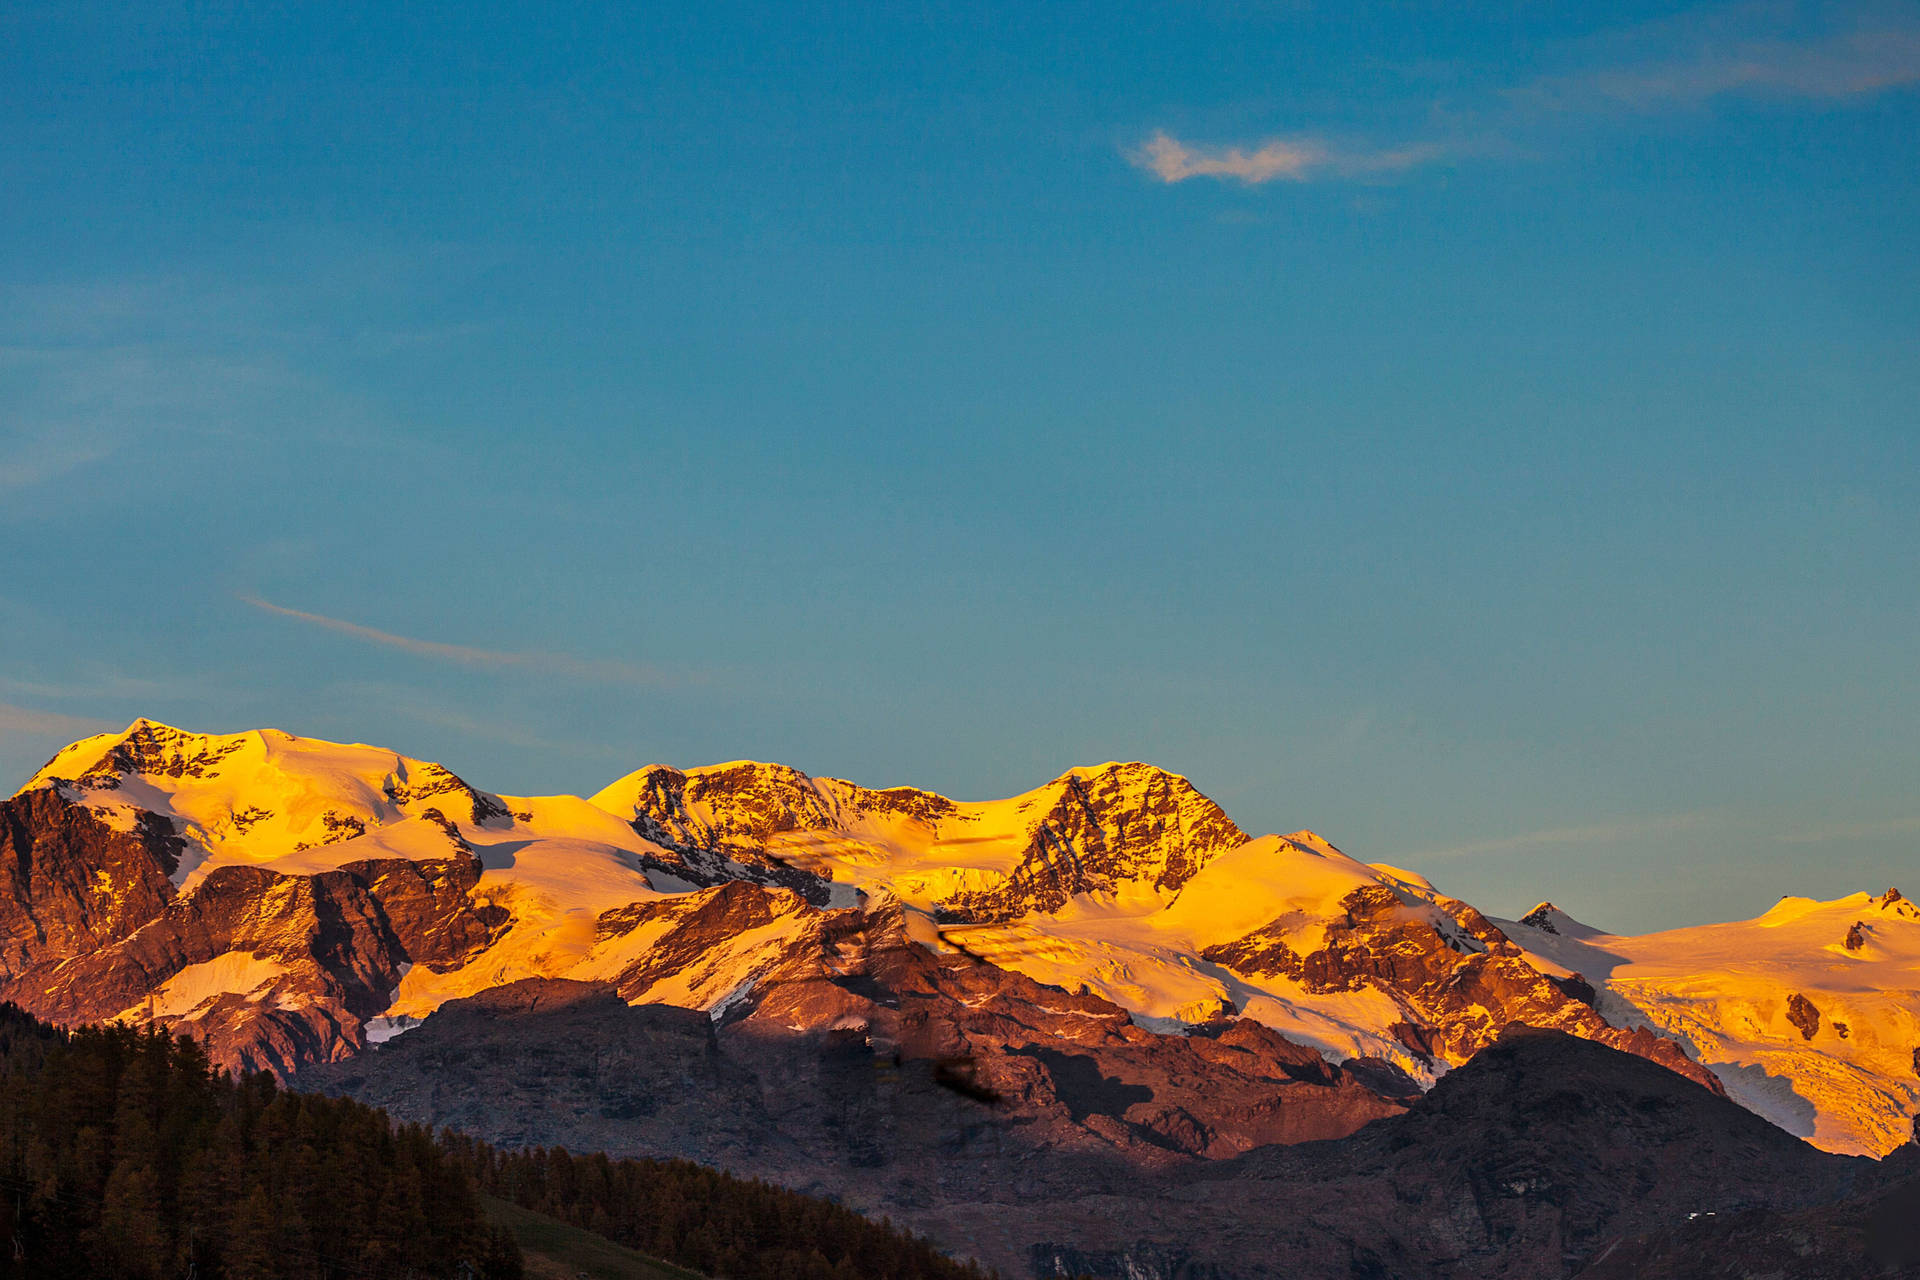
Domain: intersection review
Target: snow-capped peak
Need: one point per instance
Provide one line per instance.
(1119, 878)
(262, 795)
(1548, 918)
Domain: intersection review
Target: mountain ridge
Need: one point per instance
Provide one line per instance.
(296, 900)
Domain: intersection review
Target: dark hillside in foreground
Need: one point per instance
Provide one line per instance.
(1871, 1236)
(553, 1250)
(1534, 1157)
(1531, 1161)
(124, 1154)
(706, 1220)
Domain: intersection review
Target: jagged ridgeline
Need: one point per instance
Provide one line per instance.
(293, 902)
(124, 1153)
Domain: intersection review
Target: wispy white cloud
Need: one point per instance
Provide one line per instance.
(605, 671)
(1595, 834)
(1172, 160)
(1760, 50)
(1857, 62)
(1298, 159)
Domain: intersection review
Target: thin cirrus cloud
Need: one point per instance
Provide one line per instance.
(1726, 53)
(1277, 159)
(605, 671)
(1853, 64)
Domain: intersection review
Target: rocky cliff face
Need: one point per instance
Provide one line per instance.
(1460, 987)
(272, 971)
(72, 882)
(1091, 830)
(738, 810)
(292, 900)
(1106, 828)
(133, 890)
(848, 1042)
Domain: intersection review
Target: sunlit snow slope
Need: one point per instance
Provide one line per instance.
(1809, 1014)
(1121, 880)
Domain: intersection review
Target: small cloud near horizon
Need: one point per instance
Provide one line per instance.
(1300, 159)
(1675, 63)
(608, 671)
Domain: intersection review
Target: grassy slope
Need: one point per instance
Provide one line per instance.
(556, 1251)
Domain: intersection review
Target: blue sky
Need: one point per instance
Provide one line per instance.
(1488, 438)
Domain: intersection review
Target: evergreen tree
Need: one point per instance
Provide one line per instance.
(123, 1153)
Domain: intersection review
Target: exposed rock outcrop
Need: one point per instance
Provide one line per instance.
(1109, 826)
(312, 958)
(1459, 979)
(1802, 1013)
(70, 883)
(1088, 830)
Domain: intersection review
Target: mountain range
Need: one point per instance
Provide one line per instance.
(752, 966)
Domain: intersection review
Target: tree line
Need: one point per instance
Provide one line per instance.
(124, 1152)
(706, 1220)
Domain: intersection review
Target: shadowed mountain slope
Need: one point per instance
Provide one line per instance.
(292, 901)
(1527, 1162)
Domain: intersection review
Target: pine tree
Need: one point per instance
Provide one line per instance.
(131, 1236)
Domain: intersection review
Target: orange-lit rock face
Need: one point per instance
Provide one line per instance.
(73, 882)
(271, 970)
(292, 899)
(1460, 986)
(1091, 830)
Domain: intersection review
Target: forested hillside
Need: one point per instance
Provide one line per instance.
(124, 1153)
(703, 1219)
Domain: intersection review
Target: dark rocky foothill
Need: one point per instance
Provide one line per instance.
(1871, 1235)
(1530, 1161)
